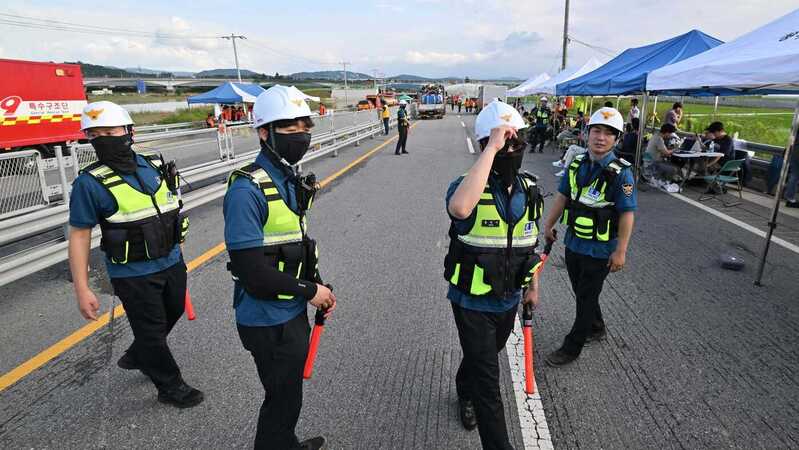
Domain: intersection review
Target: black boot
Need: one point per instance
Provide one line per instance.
(598, 333)
(559, 358)
(313, 443)
(128, 362)
(181, 396)
(468, 415)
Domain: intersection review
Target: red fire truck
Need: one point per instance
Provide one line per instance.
(40, 105)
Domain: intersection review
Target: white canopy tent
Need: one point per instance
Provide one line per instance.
(763, 61)
(548, 87)
(529, 86)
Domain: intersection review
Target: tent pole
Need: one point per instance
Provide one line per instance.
(655, 111)
(715, 107)
(778, 194)
(641, 129)
(618, 98)
(590, 105)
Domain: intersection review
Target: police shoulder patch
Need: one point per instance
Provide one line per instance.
(627, 188)
(624, 162)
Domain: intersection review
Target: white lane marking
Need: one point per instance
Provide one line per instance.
(734, 221)
(463, 124)
(535, 432)
(469, 144)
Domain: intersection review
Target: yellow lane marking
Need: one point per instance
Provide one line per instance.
(87, 330)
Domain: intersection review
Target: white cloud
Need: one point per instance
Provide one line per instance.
(444, 58)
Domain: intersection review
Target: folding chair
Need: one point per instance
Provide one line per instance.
(718, 182)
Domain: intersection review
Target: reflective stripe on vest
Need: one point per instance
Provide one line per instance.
(490, 230)
(475, 260)
(132, 204)
(283, 226)
(589, 214)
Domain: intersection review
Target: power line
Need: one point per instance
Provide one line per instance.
(603, 50)
(255, 43)
(50, 24)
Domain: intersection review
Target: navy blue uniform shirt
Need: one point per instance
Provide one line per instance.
(90, 201)
(245, 210)
(518, 205)
(586, 174)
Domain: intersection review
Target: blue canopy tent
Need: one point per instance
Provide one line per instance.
(627, 73)
(228, 93)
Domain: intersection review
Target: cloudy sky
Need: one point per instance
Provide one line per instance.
(475, 38)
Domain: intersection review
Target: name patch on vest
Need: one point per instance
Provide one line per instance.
(490, 223)
(593, 194)
(170, 198)
(528, 228)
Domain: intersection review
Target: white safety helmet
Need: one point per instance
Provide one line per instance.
(403, 102)
(607, 116)
(104, 114)
(544, 99)
(280, 103)
(496, 114)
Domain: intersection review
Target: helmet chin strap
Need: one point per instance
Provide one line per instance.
(271, 146)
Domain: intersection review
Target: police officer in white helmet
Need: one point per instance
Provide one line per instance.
(135, 200)
(596, 201)
(274, 263)
(490, 266)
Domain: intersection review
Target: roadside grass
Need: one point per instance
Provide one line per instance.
(179, 116)
(131, 98)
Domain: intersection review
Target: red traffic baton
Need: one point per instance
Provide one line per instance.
(316, 335)
(527, 331)
(188, 306)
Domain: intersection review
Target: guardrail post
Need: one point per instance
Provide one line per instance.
(42, 180)
(65, 186)
(73, 155)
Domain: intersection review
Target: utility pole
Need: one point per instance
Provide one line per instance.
(233, 38)
(346, 97)
(565, 36)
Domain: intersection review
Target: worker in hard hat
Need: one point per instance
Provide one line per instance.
(385, 114)
(403, 124)
(136, 201)
(596, 201)
(541, 116)
(274, 263)
(490, 267)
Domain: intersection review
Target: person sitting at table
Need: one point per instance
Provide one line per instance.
(629, 142)
(660, 153)
(724, 144)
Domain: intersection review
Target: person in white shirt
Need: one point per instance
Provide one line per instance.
(634, 113)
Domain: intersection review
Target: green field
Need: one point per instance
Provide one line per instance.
(179, 116)
(131, 98)
(765, 128)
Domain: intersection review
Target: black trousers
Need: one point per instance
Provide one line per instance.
(539, 138)
(403, 138)
(279, 352)
(482, 336)
(153, 304)
(385, 126)
(587, 276)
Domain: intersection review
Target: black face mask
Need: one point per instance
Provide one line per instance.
(291, 147)
(507, 166)
(116, 152)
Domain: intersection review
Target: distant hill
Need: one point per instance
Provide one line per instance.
(93, 70)
(332, 75)
(509, 79)
(228, 73)
(156, 72)
(406, 77)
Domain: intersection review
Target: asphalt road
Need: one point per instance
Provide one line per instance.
(696, 357)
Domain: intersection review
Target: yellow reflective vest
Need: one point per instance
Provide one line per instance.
(495, 257)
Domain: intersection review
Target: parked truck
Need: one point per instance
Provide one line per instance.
(431, 102)
(40, 105)
(487, 93)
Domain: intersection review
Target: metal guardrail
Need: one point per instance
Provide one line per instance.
(22, 183)
(31, 260)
